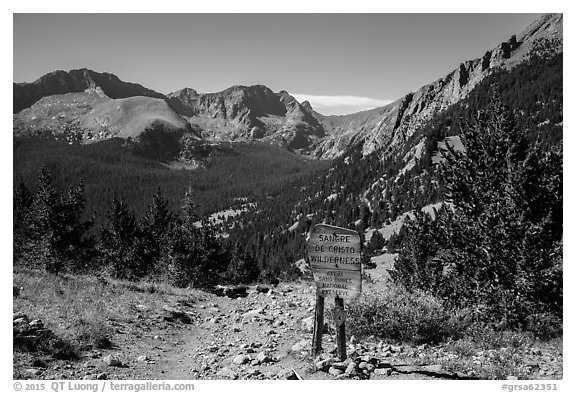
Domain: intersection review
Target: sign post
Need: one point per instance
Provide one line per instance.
(340, 328)
(318, 325)
(334, 255)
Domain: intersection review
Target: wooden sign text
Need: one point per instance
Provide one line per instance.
(334, 255)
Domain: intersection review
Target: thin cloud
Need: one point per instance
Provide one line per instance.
(340, 105)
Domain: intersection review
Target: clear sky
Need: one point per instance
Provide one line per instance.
(342, 63)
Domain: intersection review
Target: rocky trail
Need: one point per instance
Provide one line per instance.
(265, 335)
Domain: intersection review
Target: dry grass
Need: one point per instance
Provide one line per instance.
(83, 309)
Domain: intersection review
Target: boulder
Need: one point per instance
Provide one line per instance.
(36, 324)
(226, 373)
(287, 374)
(383, 372)
(262, 357)
(307, 324)
(112, 361)
(263, 288)
(20, 315)
(342, 365)
(144, 359)
(325, 364)
(335, 371)
(351, 368)
(39, 363)
(363, 365)
(301, 345)
(241, 359)
(173, 314)
(233, 291)
(33, 372)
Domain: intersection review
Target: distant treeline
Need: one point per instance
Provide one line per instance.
(112, 167)
(51, 231)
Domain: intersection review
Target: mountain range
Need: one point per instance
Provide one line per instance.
(88, 106)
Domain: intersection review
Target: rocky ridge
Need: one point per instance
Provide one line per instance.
(389, 127)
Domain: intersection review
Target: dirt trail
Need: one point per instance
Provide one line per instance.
(265, 335)
(261, 336)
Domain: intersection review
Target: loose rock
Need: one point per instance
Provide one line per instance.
(335, 371)
(241, 359)
(226, 373)
(111, 361)
(262, 357)
(385, 372)
(287, 374)
(172, 314)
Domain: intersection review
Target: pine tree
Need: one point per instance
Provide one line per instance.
(118, 242)
(71, 239)
(242, 267)
(195, 257)
(155, 227)
(23, 200)
(58, 231)
(376, 243)
(502, 234)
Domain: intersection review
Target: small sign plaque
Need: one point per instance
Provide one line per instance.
(334, 255)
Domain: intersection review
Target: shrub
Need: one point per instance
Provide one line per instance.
(396, 314)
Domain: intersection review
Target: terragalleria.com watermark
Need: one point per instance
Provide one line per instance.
(105, 386)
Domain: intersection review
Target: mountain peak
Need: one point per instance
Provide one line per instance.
(306, 105)
(75, 81)
(186, 91)
(252, 89)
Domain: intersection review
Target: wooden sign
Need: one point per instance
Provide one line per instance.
(334, 255)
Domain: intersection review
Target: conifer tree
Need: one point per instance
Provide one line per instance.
(498, 247)
(23, 200)
(195, 255)
(118, 239)
(58, 231)
(155, 228)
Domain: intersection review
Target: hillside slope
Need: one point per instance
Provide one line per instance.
(127, 117)
(91, 116)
